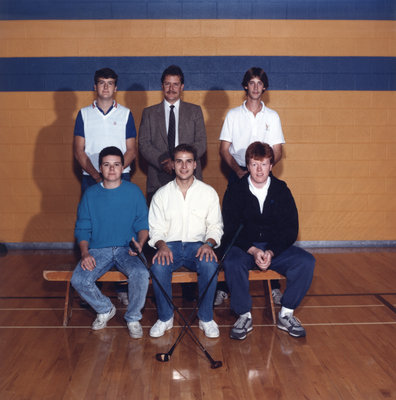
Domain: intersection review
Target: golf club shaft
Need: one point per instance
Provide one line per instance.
(153, 277)
(195, 311)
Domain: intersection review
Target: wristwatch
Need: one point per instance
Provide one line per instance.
(210, 244)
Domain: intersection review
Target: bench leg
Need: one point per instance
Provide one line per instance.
(68, 309)
(271, 301)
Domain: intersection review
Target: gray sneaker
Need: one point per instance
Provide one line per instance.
(291, 324)
(277, 296)
(135, 329)
(242, 326)
(102, 319)
(220, 297)
(123, 298)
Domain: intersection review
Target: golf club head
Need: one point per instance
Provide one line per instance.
(162, 357)
(216, 364)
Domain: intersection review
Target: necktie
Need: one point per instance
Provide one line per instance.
(171, 129)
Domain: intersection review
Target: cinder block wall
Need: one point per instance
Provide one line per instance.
(331, 81)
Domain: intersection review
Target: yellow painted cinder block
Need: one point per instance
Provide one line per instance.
(338, 117)
(368, 151)
(373, 117)
(301, 117)
(390, 184)
(383, 134)
(386, 168)
(380, 202)
(368, 185)
(353, 134)
(253, 37)
(308, 134)
(143, 29)
(179, 29)
(391, 151)
(351, 168)
(309, 168)
(384, 99)
(317, 186)
(333, 203)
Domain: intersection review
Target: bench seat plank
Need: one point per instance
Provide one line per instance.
(177, 277)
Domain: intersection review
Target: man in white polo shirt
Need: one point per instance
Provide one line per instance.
(248, 123)
(104, 123)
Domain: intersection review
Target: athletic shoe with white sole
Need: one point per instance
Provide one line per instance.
(210, 329)
(123, 298)
(102, 319)
(135, 329)
(242, 327)
(159, 328)
(291, 324)
(277, 296)
(220, 297)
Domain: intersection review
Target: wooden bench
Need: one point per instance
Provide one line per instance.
(177, 277)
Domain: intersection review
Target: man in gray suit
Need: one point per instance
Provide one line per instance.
(166, 125)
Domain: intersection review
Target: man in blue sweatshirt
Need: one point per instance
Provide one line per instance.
(110, 214)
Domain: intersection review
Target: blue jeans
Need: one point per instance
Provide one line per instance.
(130, 266)
(87, 180)
(296, 264)
(184, 255)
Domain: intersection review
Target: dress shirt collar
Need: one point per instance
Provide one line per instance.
(167, 105)
(176, 186)
(247, 110)
(95, 105)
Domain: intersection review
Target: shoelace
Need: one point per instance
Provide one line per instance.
(241, 322)
(294, 321)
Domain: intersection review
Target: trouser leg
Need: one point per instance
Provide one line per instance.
(297, 265)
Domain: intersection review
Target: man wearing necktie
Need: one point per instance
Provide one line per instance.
(165, 125)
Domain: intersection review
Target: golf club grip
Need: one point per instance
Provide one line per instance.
(133, 247)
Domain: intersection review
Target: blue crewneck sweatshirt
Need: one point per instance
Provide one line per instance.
(111, 217)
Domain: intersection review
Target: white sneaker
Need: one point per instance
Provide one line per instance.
(210, 329)
(277, 296)
(220, 297)
(102, 319)
(159, 328)
(135, 329)
(123, 298)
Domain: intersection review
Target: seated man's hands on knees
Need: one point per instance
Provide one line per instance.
(262, 258)
(164, 254)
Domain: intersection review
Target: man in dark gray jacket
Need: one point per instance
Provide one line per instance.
(166, 125)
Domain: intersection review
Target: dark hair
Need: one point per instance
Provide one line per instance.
(185, 148)
(105, 73)
(259, 151)
(173, 70)
(110, 151)
(255, 72)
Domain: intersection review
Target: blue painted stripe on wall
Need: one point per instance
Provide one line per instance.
(201, 73)
(198, 9)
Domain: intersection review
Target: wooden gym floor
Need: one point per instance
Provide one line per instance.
(349, 352)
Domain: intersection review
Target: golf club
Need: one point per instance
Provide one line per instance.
(160, 356)
(164, 357)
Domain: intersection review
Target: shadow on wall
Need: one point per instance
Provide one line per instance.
(56, 174)
(216, 96)
(136, 100)
(278, 168)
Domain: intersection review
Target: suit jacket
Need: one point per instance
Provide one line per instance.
(153, 140)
